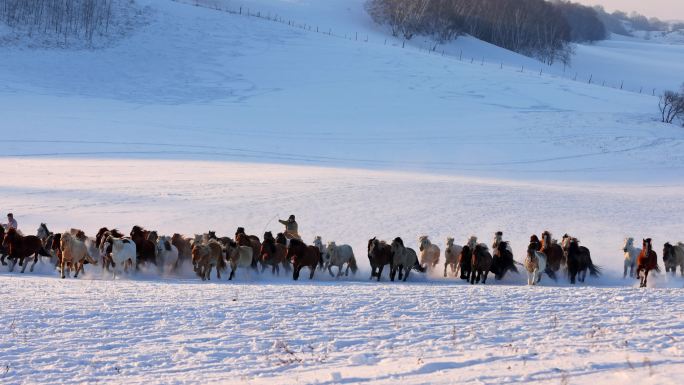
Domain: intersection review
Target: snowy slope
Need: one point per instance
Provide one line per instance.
(203, 84)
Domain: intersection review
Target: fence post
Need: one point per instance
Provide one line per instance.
(591, 77)
(622, 83)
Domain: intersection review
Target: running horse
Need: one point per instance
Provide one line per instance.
(21, 247)
(379, 255)
(646, 261)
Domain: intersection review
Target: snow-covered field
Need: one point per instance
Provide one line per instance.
(344, 333)
(200, 120)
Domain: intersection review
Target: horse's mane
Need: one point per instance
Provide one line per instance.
(296, 242)
(399, 241)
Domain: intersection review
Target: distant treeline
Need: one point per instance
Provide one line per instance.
(65, 18)
(537, 28)
(618, 21)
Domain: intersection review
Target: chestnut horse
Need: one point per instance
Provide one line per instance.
(184, 248)
(146, 249)
(21, 247)
(301, 256)
(555, 257)
(646, 261)
(379, 255)
(273, 254)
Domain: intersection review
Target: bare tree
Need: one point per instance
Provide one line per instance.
(671, 105)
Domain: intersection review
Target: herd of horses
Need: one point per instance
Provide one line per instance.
(119, 254)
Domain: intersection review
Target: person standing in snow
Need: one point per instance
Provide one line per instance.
(291, 228)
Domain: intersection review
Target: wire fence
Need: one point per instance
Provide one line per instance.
(428, 48)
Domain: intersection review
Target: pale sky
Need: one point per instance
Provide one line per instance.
(662, 9)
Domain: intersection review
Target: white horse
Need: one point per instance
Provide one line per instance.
(238, 257)
(535, 263)
(318, 242)
(338, 256)
(404, 259)
(429, 253)
(167, 255)
(74, 254)
(123, 254)
(631, 254)
(451, 254)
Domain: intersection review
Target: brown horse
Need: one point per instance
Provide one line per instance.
(146, 249)
(555, 257)
(379, 255)
(20, 248)
(249, 240)
(207, 256)
(183, 246)
(647, 261)
(302, 256)
(272, 254)
(481, 264)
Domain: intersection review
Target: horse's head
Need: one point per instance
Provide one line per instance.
(56, 240)
(211, 234)
(628, 244)
(424, 242)
(667, 251)
(450, 242)
(647, 244)
(268, 235)
(371, 243)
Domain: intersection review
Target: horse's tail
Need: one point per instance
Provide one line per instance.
(551, 273)
(594, 271)
(352, 264)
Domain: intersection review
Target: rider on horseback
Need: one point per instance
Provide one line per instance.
(291, 228)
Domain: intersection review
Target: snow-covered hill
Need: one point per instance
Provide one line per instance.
(200, 83)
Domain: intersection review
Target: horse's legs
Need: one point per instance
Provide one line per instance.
(445, 269)
(406, 273)
(484, 277)
(35, 260)
(63, 266)
(624, 274)
(401, 269)
(380, 269)
(313, 270)
(295, 272)
(392, 273)
(218, 272)
(330, 270)
(2, 260)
